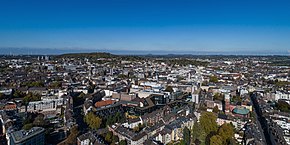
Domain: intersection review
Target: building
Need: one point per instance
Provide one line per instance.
(282, 95)
(44, 105)
(131, 137)
(89, 138)
(34, 136)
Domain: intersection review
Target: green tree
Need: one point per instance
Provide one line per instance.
(122, 76)
(218, 96)
(27, 126)
(283, 106)
(195, 131)
(208, 122)
(93, 121)
(226, 132)
(18, 94)
(33, 84)
(108, 137)
(2, 96)
(115, 139)
(31, 97)
(123, 142)
(216, 140)
(39, 120)
(186, 136)
(182, 142)
(213, 79)
(55, 85)
(236, 99)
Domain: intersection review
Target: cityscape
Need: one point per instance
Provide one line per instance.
(101, 98)
(124, 72)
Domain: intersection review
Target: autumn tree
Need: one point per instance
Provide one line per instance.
(226, 132)
(208, 122)
(216, 140)
(93, 121)
(108, 137)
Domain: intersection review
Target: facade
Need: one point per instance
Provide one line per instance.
(45, 105)
(281, 95)
(131, 137)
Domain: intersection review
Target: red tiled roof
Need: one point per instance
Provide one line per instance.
(104, 103)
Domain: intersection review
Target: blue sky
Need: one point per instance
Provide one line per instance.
(166, 25)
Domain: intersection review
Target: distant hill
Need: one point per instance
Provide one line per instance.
(96, 55)
(88, 55)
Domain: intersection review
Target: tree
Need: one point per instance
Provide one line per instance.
(115, 139)
(283, 106)
(122, 76)
(216, 140)
(27, 126)
(186, 136)
(108, 137)
(218, 96)
(31, 97)
(55, 85)
(215, 109)
(18, 94)
(2, 96)
(72, 138)
(195, 131)
(33, 84)
(93, 121)
(208, 122)
(226, 132)
(169, 89)
(111, 119)
(179, 78)
(136, 129)
(213, 79)
(182, 142)
(236, 99)
(39, 120)
(123, 142)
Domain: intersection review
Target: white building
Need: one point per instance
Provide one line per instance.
(45, 105)
(282, 95)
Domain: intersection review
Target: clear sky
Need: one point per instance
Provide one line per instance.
(163, 25)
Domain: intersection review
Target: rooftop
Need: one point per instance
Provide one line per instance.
(21, 135)
(242, 111)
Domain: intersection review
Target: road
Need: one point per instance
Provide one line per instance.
(261, 120)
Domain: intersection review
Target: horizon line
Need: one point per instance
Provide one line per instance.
(60, 51)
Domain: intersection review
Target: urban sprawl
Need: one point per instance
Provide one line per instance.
(101, 98)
